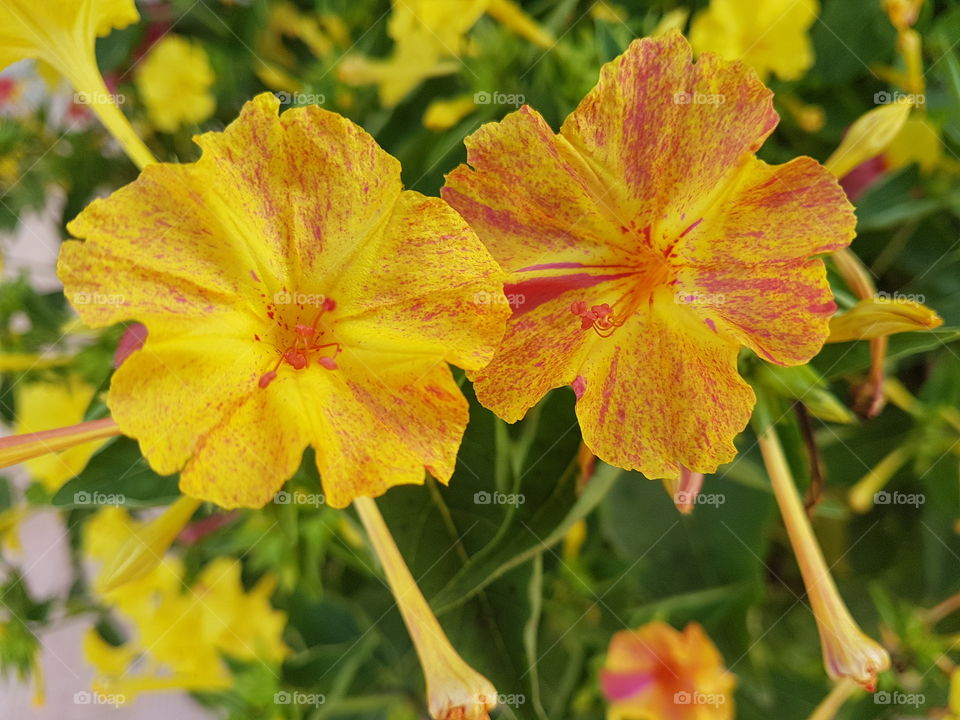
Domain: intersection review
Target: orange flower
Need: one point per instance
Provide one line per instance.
(645, 244)
(294, 295)
(659, 672)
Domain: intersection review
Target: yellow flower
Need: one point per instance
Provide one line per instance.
(175, 81)
(644, 246)
(145, 546)
(49, 404)
(429, 36)
(179, 635)
(772, 36)
(917, 142)
(658, 672)
(294, 295)
(880, 317)
(868, 137)
(444, 114)
(63, 33)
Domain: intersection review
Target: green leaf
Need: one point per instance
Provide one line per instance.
(841, 359)
(118, 475)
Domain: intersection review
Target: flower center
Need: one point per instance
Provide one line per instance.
(307, 347)
(605, 317)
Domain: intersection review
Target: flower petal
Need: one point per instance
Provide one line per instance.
(668, 135)
(381, 424)
(424, 285)
(530, 195)
(663, 391)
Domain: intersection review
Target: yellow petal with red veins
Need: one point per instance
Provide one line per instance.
(644, 245)
(661, 392)
(294, 294)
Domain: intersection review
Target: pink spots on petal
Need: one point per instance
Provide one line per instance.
(253, 274)
(579, 386)
(710, 324)
(824, 308)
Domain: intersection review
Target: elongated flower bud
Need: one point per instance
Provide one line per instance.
(145, 548)
(847, 651)
(455, 691)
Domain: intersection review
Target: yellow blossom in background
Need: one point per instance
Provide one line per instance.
(881, 317)
(917, 142)
(429, 38)
(444, 114)
(175, 81)
(62, 34)
(772, 36)
(179, 633)
(47, 404)
(656, 672)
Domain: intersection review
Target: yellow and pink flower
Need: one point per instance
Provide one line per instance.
(644, 245)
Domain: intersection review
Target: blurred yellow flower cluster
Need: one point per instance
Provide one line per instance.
(180, 632)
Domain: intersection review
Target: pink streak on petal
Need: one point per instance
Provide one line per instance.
(620, 686)
(132, 340)
(537, 291)
(579, 386)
